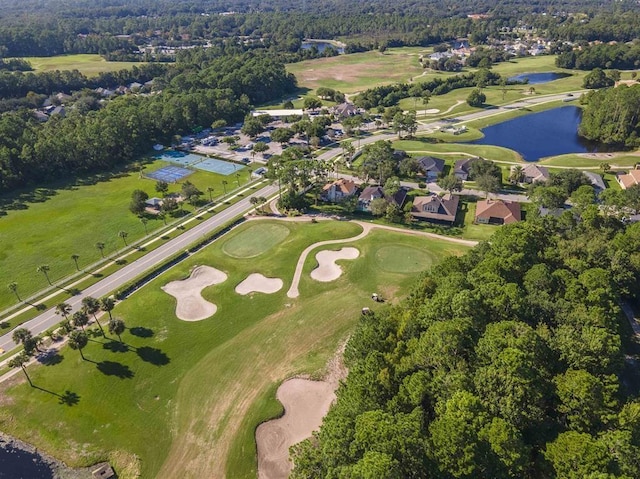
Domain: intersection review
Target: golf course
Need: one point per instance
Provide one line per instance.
(183, 398)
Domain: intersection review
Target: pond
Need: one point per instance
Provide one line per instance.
(538, 78)
(18, 463)
(321, 46)
(535, 136)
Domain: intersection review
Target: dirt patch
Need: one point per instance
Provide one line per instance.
(327, 269)
(258, 283)
(191, 305)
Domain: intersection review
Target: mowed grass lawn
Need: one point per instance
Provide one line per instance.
(87, 64)
(48, 225)
(185, 397)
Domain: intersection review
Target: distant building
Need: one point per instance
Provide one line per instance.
(371, 193)
(462, 168)
(431, 167)
(629, 179)
(279, 114)
(497, 212)
(533, 173)
(596, 181)
(345, 109)
(436, 209)
(338, 190)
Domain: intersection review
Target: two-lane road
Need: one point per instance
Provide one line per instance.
(131, 271)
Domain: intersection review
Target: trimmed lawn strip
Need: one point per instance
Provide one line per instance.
(88, 64)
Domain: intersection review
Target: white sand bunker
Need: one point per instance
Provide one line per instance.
(327, 269)
(305, 403)
(432, 111)
(258, 283)
(191, 305)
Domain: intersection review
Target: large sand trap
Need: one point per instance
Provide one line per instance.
(327, 269)
(258, 283)
(432, 111)
(305, 403)
(191, 305)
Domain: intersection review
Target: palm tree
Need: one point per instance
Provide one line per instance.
(63, 309)
(18, 362)
(224, 185)
(91, 305)
(163, 217)
(78, 340)
(238, 179)
(107, 304)
(123, 235)
(44, 269)
(75, 258)
(261, 201)
(517, 174)
(254, 201)
(21, 336)
(117, 327)
(81, 319)
(210, 191)
(144, 222)
(426, 97)
(100, 246)
(13, 287)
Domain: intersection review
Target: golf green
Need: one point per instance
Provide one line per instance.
(255, 240)
(402, 259)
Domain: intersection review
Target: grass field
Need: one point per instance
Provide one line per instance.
(184, 397)
(358, 71)
(47, 225)
(88, 64)
(427, 146)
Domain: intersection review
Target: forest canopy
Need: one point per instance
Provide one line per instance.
(504, 363)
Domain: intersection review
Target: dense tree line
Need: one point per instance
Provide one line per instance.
(621, 56)
(612, 116)
(128, 126)
(503, 363)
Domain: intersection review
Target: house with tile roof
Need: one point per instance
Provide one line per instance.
(497, 212)
(462, 168)
(435, 208)
(630, 179)
(533, 173)
(371, 193)
(338, 190)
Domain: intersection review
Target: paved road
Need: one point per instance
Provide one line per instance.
(109, 284)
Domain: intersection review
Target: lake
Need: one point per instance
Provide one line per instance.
(17, 463)
(537, 135)
(537, 78)
(321, 46)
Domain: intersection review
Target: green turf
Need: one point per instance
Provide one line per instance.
(255, 240)
(399, 259)
(88, 64)
(47, 225)
(188, 385)
(423, 145)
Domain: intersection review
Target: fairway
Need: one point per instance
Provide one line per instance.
(47, 225)
(192, 386)
(88, 64)
(255, 240)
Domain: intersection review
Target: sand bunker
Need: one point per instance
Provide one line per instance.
(191, 305)
(431, 111)
(305, 403)
(327, 269)
(258, 283)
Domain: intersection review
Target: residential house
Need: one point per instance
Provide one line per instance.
(338, 190)
(59, 110)
(497, 212)
(462, 168)
(371, 193)
(103, 472)
(62, 97)
(400, 155)
(155, 203)
(436, 209)
(629, 179)
(534, 173)
(40, 116)
(596, 181)
(431, 167)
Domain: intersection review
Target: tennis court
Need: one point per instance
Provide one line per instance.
(218, 166)
(180, 158)
(169, 174)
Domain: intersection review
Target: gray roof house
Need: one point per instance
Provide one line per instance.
(532, 173)
(463, 167)
(596, 181)
(371, 193)
(431, 167)
(436, 209)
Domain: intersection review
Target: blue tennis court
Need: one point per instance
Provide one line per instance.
(170, 174)
(218, 166)
(180, 158)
